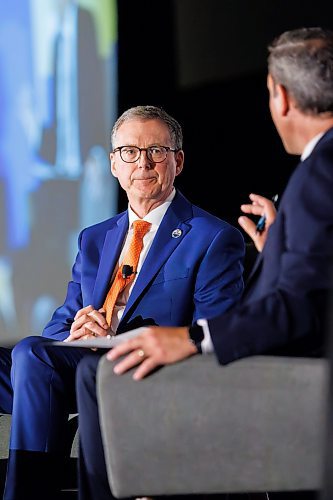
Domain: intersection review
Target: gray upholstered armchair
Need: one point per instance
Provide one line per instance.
(197, 427)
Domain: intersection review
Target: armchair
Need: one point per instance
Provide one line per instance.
(196, 427)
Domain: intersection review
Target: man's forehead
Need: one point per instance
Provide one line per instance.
(143, 128)
(142, 123)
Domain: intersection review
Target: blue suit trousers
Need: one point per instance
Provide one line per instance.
(37, 386)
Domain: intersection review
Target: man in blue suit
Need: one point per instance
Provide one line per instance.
(190, 266)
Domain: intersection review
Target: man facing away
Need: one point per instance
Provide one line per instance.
(163, 261)
(282, 310)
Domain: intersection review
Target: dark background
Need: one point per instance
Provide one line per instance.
(204, 62)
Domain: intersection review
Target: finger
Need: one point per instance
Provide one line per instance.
(268, 207)
(249, 226)
(82, 311)
(146, 367)
(252, 209)
(124, 348)
(90, 317)
(257, 198)
(77, 323)
(99, 318)
(78, 334)
(270, 212)
(131, 360)
(95, 329)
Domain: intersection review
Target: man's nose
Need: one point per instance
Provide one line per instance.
(144, 161)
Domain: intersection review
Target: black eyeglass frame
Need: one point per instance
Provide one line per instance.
(167, 149)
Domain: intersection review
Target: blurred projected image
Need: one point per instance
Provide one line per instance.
(58, 96)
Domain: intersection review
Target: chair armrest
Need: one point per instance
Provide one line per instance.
(5, 421)
(197, 427)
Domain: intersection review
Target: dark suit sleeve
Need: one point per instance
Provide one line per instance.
(287, 316)
(279, 323)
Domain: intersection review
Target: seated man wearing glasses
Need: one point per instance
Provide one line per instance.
(183, 265)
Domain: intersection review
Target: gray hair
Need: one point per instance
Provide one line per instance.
(302, 61)
(151, 113)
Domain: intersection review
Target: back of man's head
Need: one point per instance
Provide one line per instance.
(302, 61)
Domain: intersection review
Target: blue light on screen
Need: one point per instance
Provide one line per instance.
(58, 102)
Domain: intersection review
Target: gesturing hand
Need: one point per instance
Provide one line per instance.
(260, 206)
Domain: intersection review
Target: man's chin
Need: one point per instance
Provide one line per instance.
(146, 191)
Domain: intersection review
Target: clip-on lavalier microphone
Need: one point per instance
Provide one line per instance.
(127, 271)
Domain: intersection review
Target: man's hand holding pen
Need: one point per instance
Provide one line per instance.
(264, 208)
(88, 322)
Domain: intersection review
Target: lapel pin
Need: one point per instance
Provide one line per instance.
(176, 233)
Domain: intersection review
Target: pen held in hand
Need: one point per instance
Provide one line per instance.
(260, 227)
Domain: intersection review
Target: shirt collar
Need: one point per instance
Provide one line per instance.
(311, 145)
(156, 215)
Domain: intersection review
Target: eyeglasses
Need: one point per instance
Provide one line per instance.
(156, 154)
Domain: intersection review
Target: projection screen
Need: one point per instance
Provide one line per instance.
(58, 102)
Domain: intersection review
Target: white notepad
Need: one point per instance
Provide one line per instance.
(101, 342)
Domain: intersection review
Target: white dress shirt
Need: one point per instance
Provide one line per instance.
(154, 217)
(310, 146)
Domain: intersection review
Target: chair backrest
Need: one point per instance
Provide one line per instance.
(327, 490)
(197, 427)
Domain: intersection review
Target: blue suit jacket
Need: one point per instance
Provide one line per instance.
(282, 310)
(198, 274)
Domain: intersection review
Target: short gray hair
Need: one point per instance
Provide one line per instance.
(151, 113)
(302, 61)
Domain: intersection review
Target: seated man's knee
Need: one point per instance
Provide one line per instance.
(27, 350)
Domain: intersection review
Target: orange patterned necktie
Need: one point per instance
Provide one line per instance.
(140, 228)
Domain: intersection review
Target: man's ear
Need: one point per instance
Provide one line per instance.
(279, 97)
(113, 165)
(179, 161)
(282, 100)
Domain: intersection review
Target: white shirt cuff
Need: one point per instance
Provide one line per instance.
(206, 344)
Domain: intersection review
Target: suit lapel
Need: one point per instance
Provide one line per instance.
(163, 245)
(110, 254)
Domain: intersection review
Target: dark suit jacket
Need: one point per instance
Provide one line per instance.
(283, 306)
(196, 274)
